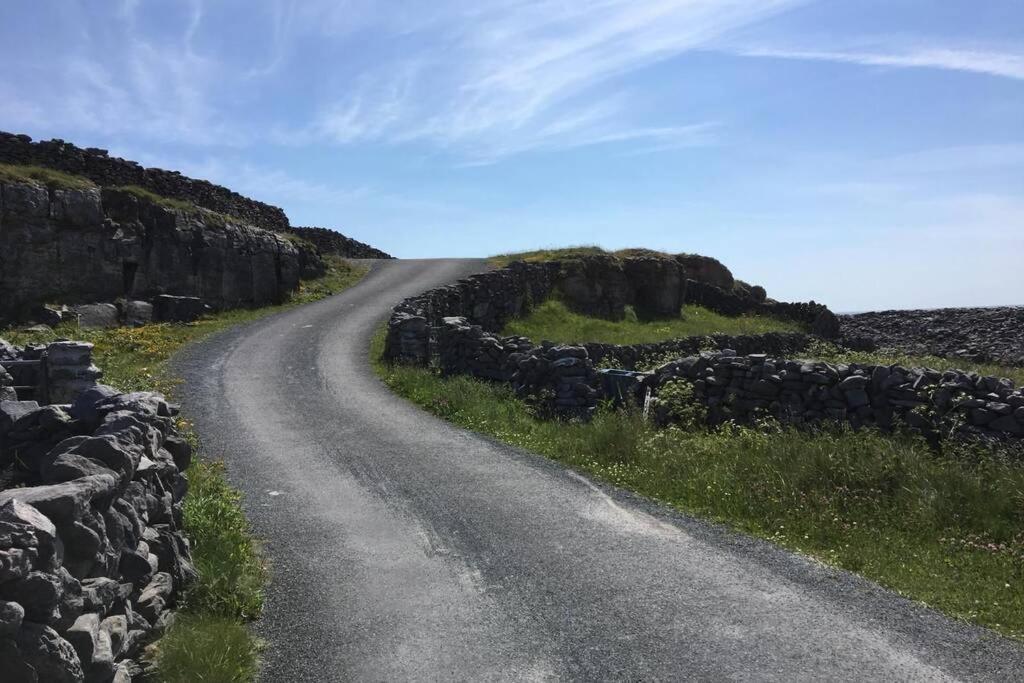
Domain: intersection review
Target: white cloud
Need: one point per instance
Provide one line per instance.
(1006, 65)
(502, 78)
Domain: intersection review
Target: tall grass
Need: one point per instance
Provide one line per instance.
(553, 320)
(946, 529)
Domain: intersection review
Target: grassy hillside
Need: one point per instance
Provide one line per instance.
(553, 320)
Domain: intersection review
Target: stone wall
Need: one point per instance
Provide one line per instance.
(798, 392)
(109, 171)
(976, 334)
(92, 556)
(595, 285)
(333, 242)
(79, 246)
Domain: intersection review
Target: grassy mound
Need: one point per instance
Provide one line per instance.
(945, 529)
(553, 320)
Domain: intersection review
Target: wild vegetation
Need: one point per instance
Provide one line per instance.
(945, 528)
(210, 641)
(561, 253)
(553, 320)
(49, 177)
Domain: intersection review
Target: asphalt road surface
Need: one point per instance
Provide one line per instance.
(403, 548)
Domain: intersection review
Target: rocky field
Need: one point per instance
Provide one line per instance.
(978, 334)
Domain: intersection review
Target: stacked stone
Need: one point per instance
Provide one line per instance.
(91, 550)
(598, 285)
(333, 242)
(742, 388)
(465, 349)
(408, 339)
(561, 378)
(102, 169)
(977, 334)
(630, 356)
(69, 370)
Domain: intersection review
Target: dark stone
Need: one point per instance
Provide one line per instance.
(63, 502)
(11, 616)
(96, 316)
(178, 309)
(52, 657)
(39, 593)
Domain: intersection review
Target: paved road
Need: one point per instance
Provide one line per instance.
(406, 549)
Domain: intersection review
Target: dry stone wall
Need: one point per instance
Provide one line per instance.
(80, 246)
(333, 242)
(742, 388)
(744, 378)
(92, 556)
(595, 285)
(105, 170)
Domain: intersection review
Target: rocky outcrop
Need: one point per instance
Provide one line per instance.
(708, 270)
(96, 165)
(594, 285)
(333, 242)
(976, 334)
(92, 556)
(939, 404)
(87, 245)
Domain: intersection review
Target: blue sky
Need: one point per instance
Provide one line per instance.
(864, 153)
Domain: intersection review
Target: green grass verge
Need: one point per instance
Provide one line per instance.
(944, 529)
(553, 320)
(49, 177)
(210, 640)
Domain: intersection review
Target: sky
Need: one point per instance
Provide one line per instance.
(867, 154)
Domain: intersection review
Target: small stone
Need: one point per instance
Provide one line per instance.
(11, 616)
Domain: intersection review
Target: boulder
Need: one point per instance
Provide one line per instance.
(707, 270)
(137, 313)
(178, 309)
(96, 316)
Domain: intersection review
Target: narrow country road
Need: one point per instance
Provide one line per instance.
(404, 548)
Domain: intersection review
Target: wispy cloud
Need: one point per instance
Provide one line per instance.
(508, 77)
(1002, 64)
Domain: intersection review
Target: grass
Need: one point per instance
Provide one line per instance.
(210, 640)
(553, 320)
(945, 529)
(166, 202)
(225, 647)
(49, 177)
(565, 253)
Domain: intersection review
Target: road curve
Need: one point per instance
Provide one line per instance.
(403, 548)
